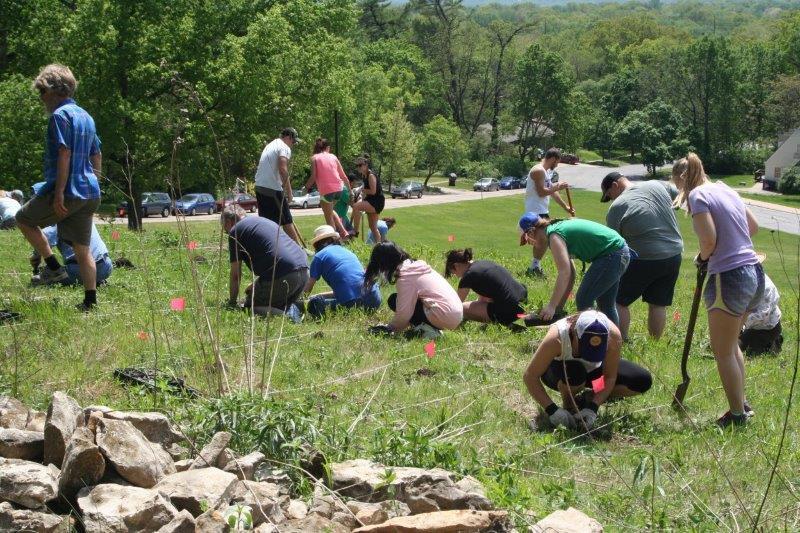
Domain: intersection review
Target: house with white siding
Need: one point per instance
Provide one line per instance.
(785, 157)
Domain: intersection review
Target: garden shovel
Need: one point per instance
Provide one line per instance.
(680, 392)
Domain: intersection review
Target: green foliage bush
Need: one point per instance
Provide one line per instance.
(790, 181)
(509, 165)
(737, 160)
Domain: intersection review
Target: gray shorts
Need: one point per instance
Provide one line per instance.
(281, 294)
(736, 291)
(75, 228)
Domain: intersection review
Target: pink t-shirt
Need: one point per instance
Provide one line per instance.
(327, 168)
(418, 281)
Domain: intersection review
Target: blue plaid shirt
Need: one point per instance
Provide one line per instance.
(72, 127)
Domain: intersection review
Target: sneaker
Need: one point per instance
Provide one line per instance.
(534, 319)
(748, 410)
(294, 314)
(424, 331)
(729, 419)
(50, 277)
(536, 272)
(84, 308)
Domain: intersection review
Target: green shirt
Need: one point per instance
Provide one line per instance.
(586, 240)
(343, 204)
(643, 215)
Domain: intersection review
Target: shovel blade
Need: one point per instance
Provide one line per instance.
(680, 394)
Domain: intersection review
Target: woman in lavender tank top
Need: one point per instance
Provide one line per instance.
(724, 226)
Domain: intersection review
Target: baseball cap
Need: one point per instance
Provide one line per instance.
(591, 329)
(610, 178)
(291, 132)
(527, 222)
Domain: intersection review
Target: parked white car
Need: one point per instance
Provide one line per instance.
(304, 201)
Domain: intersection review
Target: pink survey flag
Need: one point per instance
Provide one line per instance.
(430, 349)
(521, 315)
(598, 384)
(676, 316)
(142, 335)
(177, 304)
(115, 235)
(451, 238)
(192, 245)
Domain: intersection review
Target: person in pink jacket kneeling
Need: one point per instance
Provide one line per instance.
(424, 299)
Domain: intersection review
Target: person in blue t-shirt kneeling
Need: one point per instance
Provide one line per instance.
(97, 248)
(341, 269)
(384, 225)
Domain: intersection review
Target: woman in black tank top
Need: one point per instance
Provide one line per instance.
(373, 201)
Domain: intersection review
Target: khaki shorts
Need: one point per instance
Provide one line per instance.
(75, 228)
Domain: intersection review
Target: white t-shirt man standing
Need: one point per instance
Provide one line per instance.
(538, 190)
(273, 187)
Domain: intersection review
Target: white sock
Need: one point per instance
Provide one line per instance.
(535, 263)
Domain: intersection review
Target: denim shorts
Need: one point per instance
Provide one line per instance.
(736, 291)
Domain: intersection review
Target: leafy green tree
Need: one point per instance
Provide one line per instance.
(540, 94)
(634, 130)
(601, 134)
(656, 131)
(22, 125)
(398, 149)
(440, 146)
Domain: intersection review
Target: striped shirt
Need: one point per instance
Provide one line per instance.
(73, 128)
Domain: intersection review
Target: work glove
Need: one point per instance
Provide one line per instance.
(701, 264)
(586, 418)
(380, 329)
(562, 417)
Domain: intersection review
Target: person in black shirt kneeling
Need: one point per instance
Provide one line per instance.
(499, 294)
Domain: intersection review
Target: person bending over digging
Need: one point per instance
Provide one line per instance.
(580, 358)
(423, 299)
(590, 242)
(277, 261)
(499, 294)
(342, 271)
(384, 225)
(97, 248)
(762, 331)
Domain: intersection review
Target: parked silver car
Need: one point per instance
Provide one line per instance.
(486, 184)
(304, 201)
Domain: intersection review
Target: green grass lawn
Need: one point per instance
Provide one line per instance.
(464, 409)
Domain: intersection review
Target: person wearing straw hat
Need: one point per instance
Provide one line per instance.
(342, 271)
(580, 358)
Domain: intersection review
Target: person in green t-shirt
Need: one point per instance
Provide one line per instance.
(342, 206)
(588, 241)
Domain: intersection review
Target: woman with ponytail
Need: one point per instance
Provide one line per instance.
(724, 227)
(329, 176)
(499, 294)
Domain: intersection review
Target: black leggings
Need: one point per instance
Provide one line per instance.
(417, 318)
(630, 375)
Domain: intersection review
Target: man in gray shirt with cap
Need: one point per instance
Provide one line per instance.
(642, 213)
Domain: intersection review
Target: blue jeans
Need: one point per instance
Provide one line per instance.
(601, 283)
(104, 269)
(319, 305)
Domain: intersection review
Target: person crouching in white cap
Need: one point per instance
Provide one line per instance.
(580, 358)
(342, 271)
(10, 203)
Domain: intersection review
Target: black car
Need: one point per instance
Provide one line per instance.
(153, 203)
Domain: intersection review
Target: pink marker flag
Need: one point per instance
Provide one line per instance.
(114, 235)
(598, 384)
(430, 349)
(177, 304)
(192, 245)
(570, 296)
(451, 238)
(521, 315)
(676, 316)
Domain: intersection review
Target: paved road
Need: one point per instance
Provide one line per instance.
(586, 177)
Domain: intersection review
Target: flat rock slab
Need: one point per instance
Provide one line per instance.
(117, 509)
(21, 444)
(27, 483)
(567, 521)
(245, 467)
(187, 490)
(313, 523)
(63, 416)
(264, 499)
(137, 460)
(83, 466)
(156, 427)
(460, 521)
(13, 413)
(25, 520)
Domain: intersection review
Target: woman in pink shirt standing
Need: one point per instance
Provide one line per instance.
(424, 299)
(328, 174)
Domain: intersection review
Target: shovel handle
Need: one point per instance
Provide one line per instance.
(687, 342)
(569, 201)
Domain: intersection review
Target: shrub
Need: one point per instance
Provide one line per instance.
(476, 170)
(510, 165)
(790, 181)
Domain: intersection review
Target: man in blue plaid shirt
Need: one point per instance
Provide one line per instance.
(70, 194)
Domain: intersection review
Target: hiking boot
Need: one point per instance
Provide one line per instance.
(83, 307)
(534, 319)
(729, 419)
(424, 331)
(50, 277)
(535, 272)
